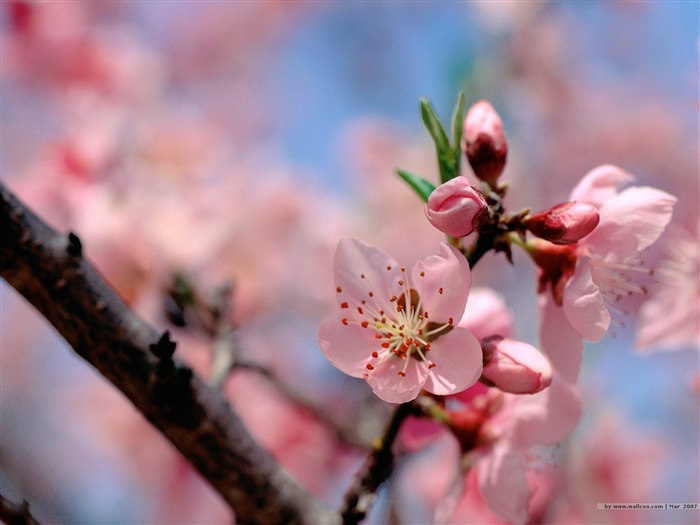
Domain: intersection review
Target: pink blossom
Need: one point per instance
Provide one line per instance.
(515, 366)
(397, 330)
(456, 207)
(484, 142)
(670, 318)
(497, 431)
(603, 263)
(564, 223)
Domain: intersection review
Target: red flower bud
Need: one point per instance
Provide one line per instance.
(565, 223)
(456, 207)
(484, 142)
(514, 366)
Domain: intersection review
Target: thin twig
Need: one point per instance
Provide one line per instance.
(375, 471)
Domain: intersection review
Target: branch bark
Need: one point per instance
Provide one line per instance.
(48, 269)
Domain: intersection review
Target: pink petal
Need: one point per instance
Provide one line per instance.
(355, 259)
(347, 347)
(583, 304)
(458, 363)
(630, 222)
(546, 417)
(444, 287)
(487, 314)
(514, 366)
(503, 483)
(388, 385)
(600, 184)
(559, 340)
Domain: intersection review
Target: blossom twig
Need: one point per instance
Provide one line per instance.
(375, 471)
(48, 269)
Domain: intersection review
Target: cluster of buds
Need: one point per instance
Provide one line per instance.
(458, 208)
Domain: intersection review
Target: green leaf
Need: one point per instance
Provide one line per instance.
(442, 143)
(458, 120)
(421, 186)
(457, 129)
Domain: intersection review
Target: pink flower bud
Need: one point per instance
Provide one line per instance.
(565, 223)
(456, 207)
(514, 366)
(484, 142)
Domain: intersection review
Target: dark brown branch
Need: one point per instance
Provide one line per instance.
(15, 513)
(375, 471)
(47, 268)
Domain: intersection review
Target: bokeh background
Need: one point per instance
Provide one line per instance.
(236, 142)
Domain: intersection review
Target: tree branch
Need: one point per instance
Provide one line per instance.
(48, 269)
(15, 513)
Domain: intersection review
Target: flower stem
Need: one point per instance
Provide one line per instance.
(375, 471)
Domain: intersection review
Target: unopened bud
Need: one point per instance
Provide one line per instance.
(565, 223)
(515, 367)
(456, 207)
(484, 142)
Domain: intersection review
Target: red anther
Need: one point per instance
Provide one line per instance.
(450, 321)
(369, 366)
(431, 365)
(425, 314)
(385, 345)
(362, 276)
(440, 290)
(420, 331)
(422, 274)
(400, 282)
(364, 324)
(402, 374)
(345, 305)
(345, 321)
(375, 354)
(339, 289)
(427, 347)
(388, 268)
(378, 336)
(359, 309)
(371, 294)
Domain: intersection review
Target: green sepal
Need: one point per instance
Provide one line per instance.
(421, 186)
